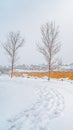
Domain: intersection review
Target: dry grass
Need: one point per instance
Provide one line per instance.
(57, 75)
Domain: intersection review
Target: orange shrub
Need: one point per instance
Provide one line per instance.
(57, 75)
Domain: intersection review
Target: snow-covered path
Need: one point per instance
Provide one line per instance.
(36, 104)
(65, 121)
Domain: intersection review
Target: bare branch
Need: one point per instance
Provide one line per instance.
(51, 45)
(13, 43)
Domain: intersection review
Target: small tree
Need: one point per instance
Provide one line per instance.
(51, 45)
(11, 46)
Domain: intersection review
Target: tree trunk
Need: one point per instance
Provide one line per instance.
(12, 71)
(49, 75)
(12, 67)
(49, 70)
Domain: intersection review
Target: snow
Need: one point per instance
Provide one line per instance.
(35, 104)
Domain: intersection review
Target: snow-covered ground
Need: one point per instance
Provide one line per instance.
(35, 104)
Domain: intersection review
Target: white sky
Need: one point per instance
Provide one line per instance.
(28, 16)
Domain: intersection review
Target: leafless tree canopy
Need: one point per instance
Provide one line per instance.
(12, 45)
(51, 45)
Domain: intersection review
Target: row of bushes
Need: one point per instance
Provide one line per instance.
(57, 75)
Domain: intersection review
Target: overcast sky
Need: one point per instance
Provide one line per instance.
(27, 16)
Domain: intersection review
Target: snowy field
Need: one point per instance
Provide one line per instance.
(36, 104)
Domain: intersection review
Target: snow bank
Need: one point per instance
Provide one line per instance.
(29, 103)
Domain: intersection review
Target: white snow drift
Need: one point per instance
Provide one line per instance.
(35, 104)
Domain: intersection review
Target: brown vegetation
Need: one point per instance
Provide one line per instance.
(56, 75)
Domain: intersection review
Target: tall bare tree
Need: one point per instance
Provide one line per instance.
(51, 45)
(11, 46)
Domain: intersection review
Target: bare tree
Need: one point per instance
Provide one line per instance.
(11, 46)
(51, 45)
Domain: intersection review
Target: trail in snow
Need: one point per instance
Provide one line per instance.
(49, 105)
(36, 104)
(64, 122)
